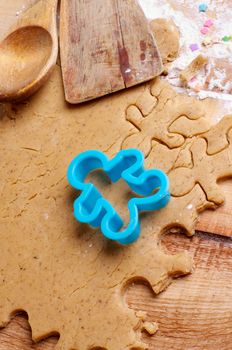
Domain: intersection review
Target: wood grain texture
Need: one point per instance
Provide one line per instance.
(144, 60)
(105, 45)
(194, 313)
(17, 336)
(90, 64)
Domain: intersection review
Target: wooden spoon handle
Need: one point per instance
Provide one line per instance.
(42, 14)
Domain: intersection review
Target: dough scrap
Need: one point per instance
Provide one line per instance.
(150, 327)
(67, 277)
(167, 37)
(193, 68)
(165, 123)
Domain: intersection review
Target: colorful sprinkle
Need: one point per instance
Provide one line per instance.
(203, 8)
(204, 30)
(208, 23)
(226, 38)
(194, 47)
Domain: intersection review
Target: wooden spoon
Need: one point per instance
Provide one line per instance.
(29, 52)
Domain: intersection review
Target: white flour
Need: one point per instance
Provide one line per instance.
(215, 80)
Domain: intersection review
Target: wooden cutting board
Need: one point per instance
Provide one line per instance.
(196, 311)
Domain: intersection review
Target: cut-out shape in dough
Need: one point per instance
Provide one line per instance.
(157, 125)
(187, 128)
(217, 136)
(146, 102)
(206, 171)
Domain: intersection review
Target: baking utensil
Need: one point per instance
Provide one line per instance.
(106, 46)
(92, 208)
(29, 52)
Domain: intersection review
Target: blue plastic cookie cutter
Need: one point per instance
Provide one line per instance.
(91, 208)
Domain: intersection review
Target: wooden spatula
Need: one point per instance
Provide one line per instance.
(106, 46)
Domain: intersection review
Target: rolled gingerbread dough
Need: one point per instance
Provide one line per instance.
(167, 37)
(67, 277)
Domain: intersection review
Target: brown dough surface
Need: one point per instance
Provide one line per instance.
(170, 120)
(193, 68)
(67, 277)
(167, 37)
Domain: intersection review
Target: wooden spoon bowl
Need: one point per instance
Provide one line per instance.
(23, 55)
(28, 53)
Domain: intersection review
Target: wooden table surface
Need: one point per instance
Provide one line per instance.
(195, 312)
